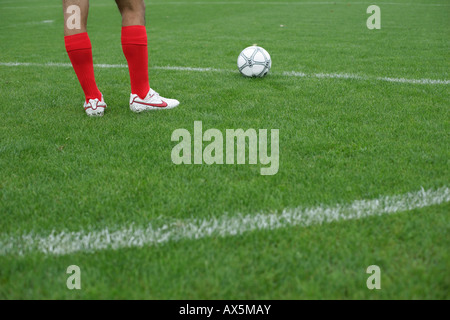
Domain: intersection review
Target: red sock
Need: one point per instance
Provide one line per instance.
(79, 48)
(134, 45)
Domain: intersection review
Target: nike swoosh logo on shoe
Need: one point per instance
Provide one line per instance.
(159, 105)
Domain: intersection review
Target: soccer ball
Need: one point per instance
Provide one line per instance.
(254, 61)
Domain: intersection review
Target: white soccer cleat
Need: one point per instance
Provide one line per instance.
(152, 101)
(95, 108)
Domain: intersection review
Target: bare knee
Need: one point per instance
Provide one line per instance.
(132, 11)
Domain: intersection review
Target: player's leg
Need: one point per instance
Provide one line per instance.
(75, 16)
(79, 49)
(134, 45)
(132, 11)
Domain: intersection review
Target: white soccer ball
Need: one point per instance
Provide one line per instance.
(254, 61)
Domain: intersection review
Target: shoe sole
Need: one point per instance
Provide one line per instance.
(96, 113)
(149, 108)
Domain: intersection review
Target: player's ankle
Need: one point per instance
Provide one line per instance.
(97, 95)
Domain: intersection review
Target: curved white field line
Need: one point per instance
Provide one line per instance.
(66, 242)
(344, 76)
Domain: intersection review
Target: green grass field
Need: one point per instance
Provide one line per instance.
(340, 140)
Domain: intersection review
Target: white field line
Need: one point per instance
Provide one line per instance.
(359, 77)
(66, 242)
(24, 24)
(344, 76)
